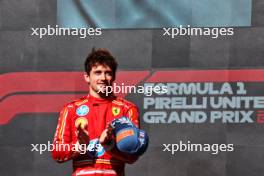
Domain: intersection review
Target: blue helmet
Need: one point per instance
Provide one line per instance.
(129, 139)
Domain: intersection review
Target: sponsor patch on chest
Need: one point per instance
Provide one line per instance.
(82, 110)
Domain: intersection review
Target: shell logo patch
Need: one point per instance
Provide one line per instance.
(82, 110)
(115, 111)
(82, 122)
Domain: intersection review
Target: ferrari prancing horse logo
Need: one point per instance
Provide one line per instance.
(115, 111)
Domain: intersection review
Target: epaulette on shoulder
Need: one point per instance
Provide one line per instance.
(122, 102)
(78, 102)
(118, 102)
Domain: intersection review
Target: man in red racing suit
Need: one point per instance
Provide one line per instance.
(82, 124)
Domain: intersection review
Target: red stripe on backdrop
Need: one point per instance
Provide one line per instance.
(57, 81)
(48, 82)
(208, 76)
(260, 119)
(73, 81)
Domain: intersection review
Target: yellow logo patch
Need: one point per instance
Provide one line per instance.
(115, 111)
(82, 122)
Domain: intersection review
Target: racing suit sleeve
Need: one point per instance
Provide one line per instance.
(133, 115)
(63, 143)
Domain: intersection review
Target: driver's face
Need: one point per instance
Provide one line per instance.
(100, 76)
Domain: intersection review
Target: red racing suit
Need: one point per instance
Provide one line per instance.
(98, 113)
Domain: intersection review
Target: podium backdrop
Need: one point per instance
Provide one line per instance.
(39, 75)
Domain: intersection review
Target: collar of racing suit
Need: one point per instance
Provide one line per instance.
(95, 100)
